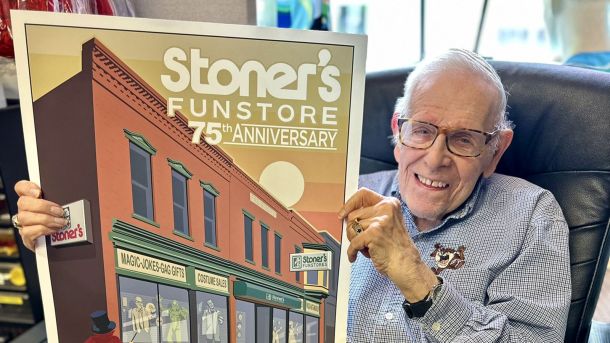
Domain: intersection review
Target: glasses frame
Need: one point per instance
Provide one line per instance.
(445, 131)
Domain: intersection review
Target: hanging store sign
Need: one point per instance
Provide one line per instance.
(320, 260)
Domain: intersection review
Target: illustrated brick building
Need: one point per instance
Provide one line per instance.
(186, 246)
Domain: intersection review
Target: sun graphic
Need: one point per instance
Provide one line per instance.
(284, 181)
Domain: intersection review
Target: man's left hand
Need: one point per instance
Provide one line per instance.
(384, 239)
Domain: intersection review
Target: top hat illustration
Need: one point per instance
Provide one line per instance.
(101, 323)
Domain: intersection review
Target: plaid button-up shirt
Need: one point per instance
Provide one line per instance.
(514, 284)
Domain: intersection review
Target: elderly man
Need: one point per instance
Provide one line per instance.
(444, 249)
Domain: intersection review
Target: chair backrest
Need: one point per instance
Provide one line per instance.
(561, 142)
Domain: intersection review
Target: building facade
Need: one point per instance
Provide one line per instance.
(186, 246)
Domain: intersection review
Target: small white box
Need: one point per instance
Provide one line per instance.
(78, 229)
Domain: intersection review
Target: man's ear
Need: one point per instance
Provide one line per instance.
(394, 123)
(504, 140)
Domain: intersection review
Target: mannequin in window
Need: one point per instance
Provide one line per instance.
(211, 321)
(177, 320)
(140, 317)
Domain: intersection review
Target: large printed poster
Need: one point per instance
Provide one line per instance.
(191, 160)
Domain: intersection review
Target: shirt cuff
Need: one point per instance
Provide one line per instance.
(447, 316)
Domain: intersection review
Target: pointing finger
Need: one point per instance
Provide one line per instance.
(364, 197)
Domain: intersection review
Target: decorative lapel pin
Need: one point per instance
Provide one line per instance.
(447, 258)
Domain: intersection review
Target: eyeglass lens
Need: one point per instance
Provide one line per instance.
(461, 142)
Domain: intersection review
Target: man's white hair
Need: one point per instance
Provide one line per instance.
(455, 59)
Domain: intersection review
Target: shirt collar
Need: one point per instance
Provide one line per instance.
(462, 211)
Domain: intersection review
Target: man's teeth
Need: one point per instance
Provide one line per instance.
(436, 184)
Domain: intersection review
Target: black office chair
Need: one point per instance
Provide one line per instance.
(561, 142)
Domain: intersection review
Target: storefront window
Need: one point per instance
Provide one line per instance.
(279, 326)
(212, 323)
(174, 304)
(139, 318)
(311, 333)
(263, 324)
(312, 277)
(295, 328)
(245, 322)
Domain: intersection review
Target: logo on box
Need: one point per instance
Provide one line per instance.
(78, 228)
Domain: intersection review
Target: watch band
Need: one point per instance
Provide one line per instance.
(419, 309)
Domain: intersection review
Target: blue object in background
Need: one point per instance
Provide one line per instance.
(599, 60)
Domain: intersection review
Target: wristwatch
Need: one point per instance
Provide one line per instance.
(419, 309)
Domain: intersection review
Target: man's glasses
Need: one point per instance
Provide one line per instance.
(462, 142)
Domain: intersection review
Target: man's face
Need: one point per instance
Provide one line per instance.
(455, 100)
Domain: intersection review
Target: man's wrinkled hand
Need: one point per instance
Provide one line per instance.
(36, 216)
(384, 239)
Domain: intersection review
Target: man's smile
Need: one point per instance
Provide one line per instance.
(431, 183)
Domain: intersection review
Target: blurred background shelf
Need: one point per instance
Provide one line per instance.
(20, 300)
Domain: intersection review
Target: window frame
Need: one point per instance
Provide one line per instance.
(180, 173)
(209, 189)
(264, 245)
(278, 252)
(248, 217)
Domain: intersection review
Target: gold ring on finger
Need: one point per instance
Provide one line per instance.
(357, 227)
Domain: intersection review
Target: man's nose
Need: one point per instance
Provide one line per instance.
(438, 153)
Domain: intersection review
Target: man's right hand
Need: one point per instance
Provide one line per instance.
(36, 216)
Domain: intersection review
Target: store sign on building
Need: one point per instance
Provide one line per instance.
(211, 281)
(312, 308)
(321, 260)
(78, 229)
(134, 262)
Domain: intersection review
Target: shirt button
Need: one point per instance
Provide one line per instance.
(389, 316)
(436, 326)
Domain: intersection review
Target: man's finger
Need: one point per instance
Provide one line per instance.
(364, 197)
(357, 244)
(29, 244)
(353, 227)
(28, 188)
(29, 234)
(30, 204)
(27, 218)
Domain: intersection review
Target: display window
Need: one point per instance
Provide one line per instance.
(139, 318)
(263, 323)
(295, 327)
(212, 323)
(278, 333)
(312, 330)
(245, 322)
(174, 314)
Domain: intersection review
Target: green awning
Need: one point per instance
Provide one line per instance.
(245, 290)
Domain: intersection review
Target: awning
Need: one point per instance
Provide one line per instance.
(245, 290)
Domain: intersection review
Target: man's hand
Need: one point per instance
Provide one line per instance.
(36, 216)
(385, 241)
